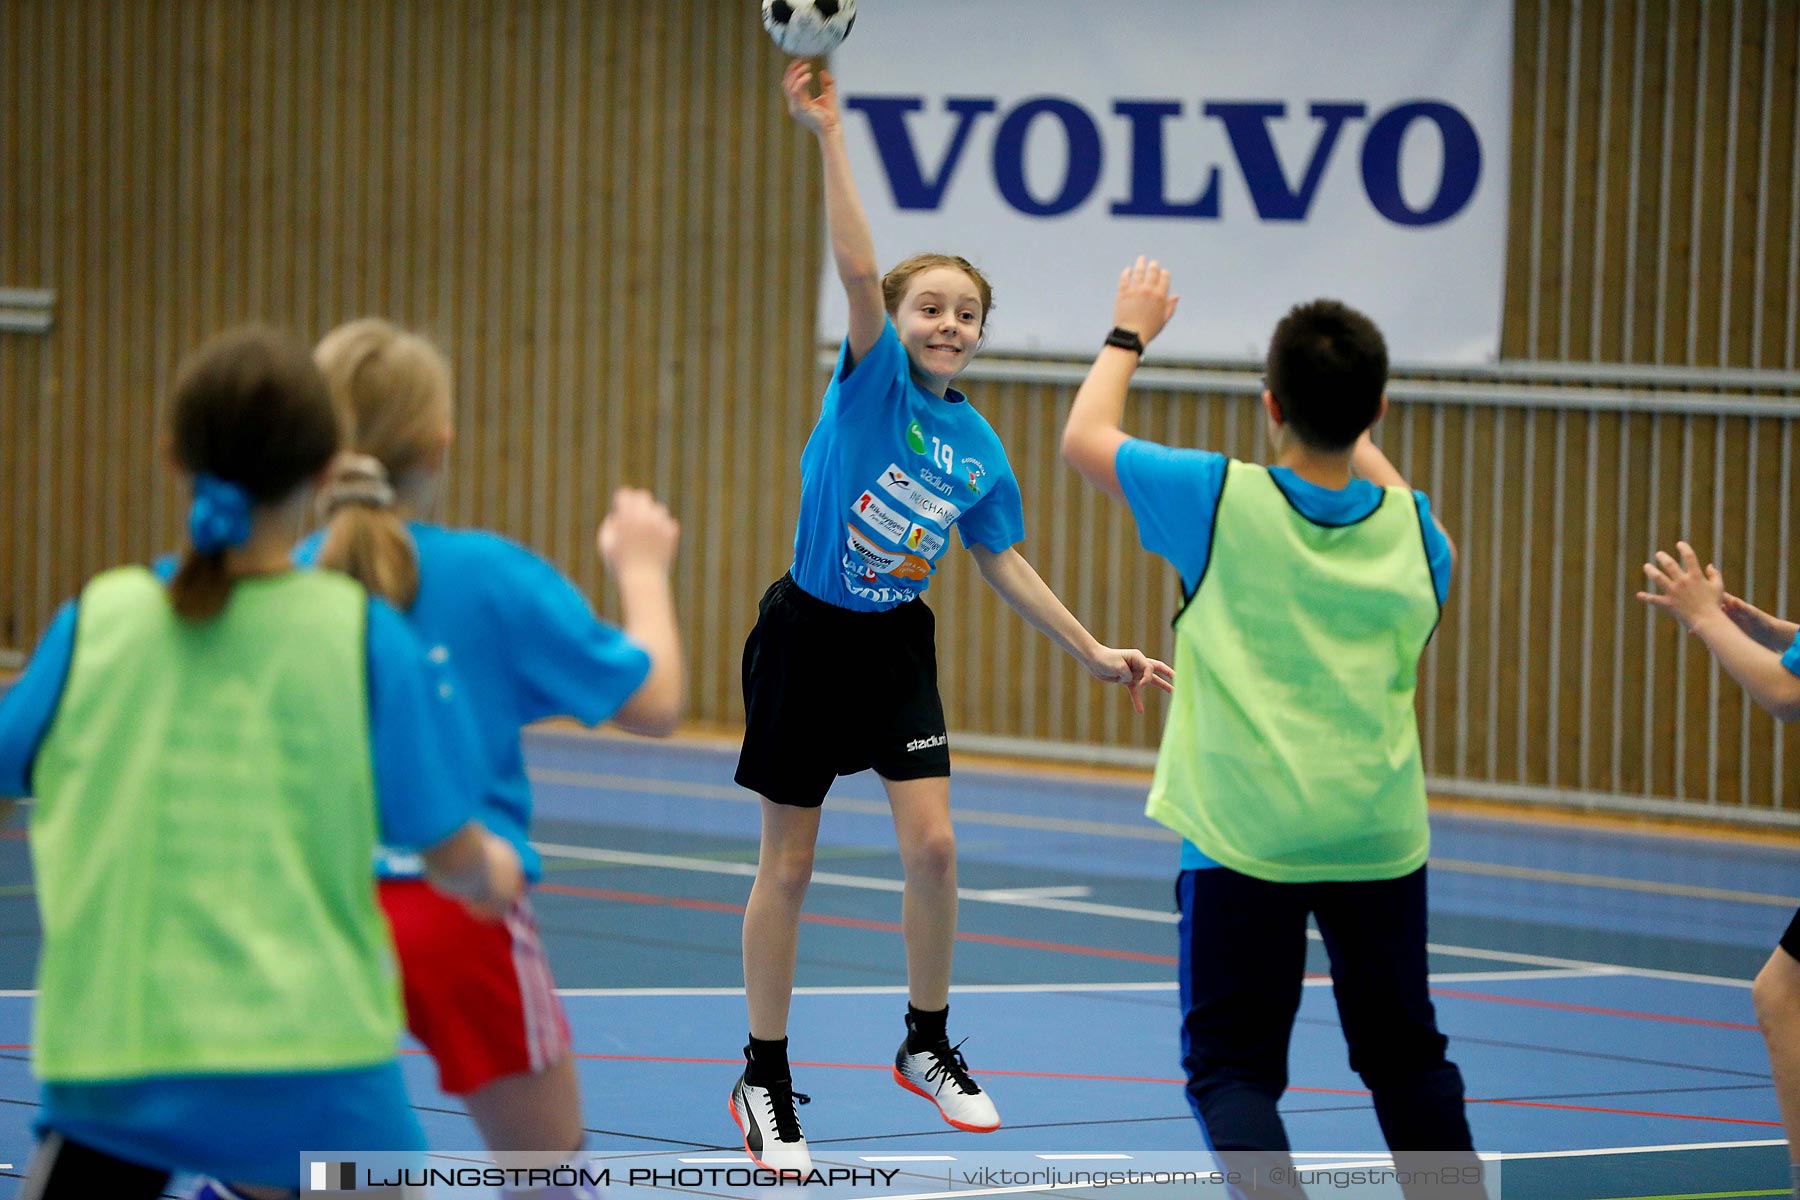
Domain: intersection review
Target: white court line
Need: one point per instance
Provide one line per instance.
(1082, 1157)
(678, 862)
(994, 989)
(742, 1158)
(906, 1157)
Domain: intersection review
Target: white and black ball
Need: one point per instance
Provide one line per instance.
(808, 28)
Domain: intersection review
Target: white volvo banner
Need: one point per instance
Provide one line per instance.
(1267, 151)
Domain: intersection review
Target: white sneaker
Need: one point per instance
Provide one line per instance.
(939, 1074)
(771, 1128)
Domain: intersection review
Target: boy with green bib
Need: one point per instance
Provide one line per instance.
(1290, 762)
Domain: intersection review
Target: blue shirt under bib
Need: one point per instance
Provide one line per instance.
(522, 644)
(889, 468)
(1174, 492)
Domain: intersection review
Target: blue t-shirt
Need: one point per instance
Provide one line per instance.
(1174, 493)
(420, 776)
(1791, 658)
(522, 644)
(888, 469)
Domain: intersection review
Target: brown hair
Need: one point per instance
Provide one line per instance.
(391, 390)
(895, 282)
(250, 409)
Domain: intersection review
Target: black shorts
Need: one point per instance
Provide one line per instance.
(1790, 941)
(829, 691)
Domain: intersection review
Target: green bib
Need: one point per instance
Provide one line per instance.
(202, 839)
(1291, 751)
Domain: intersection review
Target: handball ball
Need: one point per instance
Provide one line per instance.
(808, 28)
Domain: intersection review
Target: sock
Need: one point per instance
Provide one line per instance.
(1794, 1171)
(925, 1029)
(768, 1062)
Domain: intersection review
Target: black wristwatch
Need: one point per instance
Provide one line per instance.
(1126, 339)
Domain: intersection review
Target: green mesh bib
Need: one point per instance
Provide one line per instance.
(1291, 751)
(202, 839)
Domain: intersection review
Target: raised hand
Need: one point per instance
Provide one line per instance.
(817, 113)
(1685, 589)
(1144, 305)
(638, 531)
(1134, 669)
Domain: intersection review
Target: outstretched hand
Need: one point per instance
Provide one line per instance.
(1134, 669)
(817, 113)
(1686, 590)
(1144, 305)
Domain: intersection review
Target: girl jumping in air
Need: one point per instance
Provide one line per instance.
(898, 457)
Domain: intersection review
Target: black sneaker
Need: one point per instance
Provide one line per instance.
(772, 1135)
(939, 1074)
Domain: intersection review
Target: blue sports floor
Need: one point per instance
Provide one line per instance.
(1593, 982)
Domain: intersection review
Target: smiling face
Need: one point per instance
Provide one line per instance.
(939, 322)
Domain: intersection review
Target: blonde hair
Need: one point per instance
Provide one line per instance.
(391, 392)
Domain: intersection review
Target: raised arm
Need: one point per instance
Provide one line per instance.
(1769, 631)
(1093, 435)
(852, 248)
(1369, 463)
(1695, 597)
(637, 541)
(1019, 584)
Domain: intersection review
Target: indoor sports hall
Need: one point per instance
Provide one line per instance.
(1577, 223)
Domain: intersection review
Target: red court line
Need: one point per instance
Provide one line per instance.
(689, 902)
(991, 939)
(1629, 1112)
(1589, 1008)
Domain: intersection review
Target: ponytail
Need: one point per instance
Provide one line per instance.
(364, 537)
(218, 520)
(201, 586)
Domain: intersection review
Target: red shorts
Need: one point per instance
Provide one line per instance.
(478, 993)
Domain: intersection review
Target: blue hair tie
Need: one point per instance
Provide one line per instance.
(220, 516)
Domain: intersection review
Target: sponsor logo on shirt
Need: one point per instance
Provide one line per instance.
(973, 470)
(923, 540)
(915, 438)
(937, 481)
(905, 488)
(880, 517)
(860, 581)
(886, 562)
(927, 743)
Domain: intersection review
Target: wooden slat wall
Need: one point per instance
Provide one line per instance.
(596, 208)
(602, 212)
(1655, 172)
